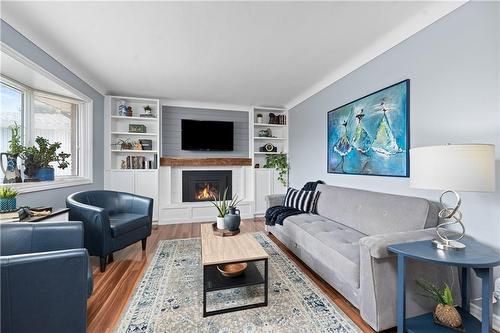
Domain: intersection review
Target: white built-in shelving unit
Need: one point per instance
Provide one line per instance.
(266, 180)
(141, 181)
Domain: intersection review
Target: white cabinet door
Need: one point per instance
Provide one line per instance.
(146, 184)
(121, 180)
(263, 187)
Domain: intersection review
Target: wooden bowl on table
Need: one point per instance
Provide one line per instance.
(232, 270)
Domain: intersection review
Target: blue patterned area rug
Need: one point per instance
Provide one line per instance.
(169, 297)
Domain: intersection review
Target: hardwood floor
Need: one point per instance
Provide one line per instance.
(113, 288)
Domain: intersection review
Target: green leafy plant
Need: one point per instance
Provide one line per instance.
(259, 115)
(15, 146)
(440, 296)
(280, 163)
(222, 204)
(41, 155)
(8, 193)
(124, 143)
(147, 108)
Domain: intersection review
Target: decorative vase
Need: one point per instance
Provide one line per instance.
(232, 219)
(220, 223)
(11, 172)
(7, 204)
(45, 174)
(259, 120)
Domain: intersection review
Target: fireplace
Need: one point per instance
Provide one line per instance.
(203, 185)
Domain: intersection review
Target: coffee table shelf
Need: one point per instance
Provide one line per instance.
(214, 280)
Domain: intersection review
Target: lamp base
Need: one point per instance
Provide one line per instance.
(448, 245)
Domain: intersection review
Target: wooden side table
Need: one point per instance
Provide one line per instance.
(475, 256)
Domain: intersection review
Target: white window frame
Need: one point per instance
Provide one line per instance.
(85, 128)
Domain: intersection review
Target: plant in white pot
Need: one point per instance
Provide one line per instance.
(223, 206)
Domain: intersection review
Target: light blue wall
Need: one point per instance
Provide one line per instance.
(28, 49)
(171, 130)
(454, 70)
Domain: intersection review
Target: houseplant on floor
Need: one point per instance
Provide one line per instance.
(37, 159)
(7, 199)
(11, 171)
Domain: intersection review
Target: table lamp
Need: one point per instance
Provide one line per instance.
(452, 168)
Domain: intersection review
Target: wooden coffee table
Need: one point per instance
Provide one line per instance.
(217, 250)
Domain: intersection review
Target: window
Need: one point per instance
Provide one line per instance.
(12, 106)
(54, 117)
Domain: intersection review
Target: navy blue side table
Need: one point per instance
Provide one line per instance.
(477, 256)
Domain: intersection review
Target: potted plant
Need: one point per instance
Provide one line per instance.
(7, 199)
(280, 163)
(37, 159)
(11, 171)
(147, 109)
(125, 144)
(445, 313)
(259, 118)
(222, 206)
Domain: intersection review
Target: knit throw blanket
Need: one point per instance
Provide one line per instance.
(277, 214)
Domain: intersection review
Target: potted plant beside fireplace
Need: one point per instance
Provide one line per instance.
(222, 207)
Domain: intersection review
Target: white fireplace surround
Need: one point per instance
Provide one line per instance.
(173, 210)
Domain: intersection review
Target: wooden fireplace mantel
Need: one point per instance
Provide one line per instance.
(208, 161)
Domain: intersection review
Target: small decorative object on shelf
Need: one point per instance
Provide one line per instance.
(259, 118)
(146, 144)
(11, 171)
(265, 133)
(122, 109)
(257, 165)
(277, 119)
(7, 199)
(125, 144)
(137, 146)
(137, 128)
(148, 112)
(129, 111)
(445, 313)
(269, 148)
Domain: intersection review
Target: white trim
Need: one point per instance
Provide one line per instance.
(475, 310)
(204, 105)
(60, 182)
(85, 126)
(419, 21)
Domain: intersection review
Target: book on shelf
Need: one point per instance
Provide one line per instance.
(139, 162)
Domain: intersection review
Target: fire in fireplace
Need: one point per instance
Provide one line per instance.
(204, 185)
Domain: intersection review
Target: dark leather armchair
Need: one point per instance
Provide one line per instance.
(45, 277)
(112, 220)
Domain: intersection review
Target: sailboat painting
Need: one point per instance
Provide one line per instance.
(370, 136)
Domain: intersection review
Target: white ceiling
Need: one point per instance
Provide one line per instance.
(243, 53)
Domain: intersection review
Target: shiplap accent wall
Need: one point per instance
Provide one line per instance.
(171, 130)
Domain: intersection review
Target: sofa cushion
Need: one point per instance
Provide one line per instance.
(121, 223)
(374, 213)
(332, 243)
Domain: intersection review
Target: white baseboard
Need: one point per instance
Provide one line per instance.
(476, 312)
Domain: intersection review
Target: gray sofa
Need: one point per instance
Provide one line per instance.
(346, 242)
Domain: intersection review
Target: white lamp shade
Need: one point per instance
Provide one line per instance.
(468, 167)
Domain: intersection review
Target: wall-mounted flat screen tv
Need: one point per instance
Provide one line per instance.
(207, 135)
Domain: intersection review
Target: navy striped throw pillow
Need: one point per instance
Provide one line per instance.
(301, 200)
